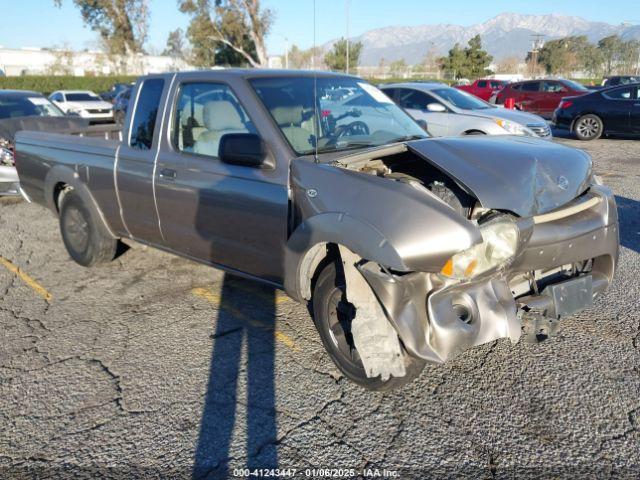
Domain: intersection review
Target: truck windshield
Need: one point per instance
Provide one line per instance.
(333, 113)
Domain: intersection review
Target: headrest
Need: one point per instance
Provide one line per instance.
(287, 116)
(221, 115)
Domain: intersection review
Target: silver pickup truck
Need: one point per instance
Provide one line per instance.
(409, 249)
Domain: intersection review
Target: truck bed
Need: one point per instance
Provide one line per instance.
(89, 153)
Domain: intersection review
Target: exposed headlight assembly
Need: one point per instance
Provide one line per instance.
(498, 247)
(514, 128)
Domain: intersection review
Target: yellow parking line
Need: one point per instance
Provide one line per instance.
(35, 286)
(215, 299)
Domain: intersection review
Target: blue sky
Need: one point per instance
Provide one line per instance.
(37, 23)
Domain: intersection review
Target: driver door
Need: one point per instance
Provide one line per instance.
(229, 215)
(415, 103)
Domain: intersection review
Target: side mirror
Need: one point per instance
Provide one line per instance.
(436, 108)
(423, 124)
(246, 149)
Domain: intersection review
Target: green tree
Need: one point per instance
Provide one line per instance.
(336, 58)
(398, 68)
(611, 49)
(230, 32)
(175, 44)
(455, 64)
(121, 24)
(566, 55)
(477, 59)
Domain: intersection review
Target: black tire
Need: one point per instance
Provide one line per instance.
(588, 127)
(84, 236)
(332, 315)
(475, 132)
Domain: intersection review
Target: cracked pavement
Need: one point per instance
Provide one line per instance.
(154, 366)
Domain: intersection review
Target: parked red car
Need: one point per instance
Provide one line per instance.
(541, 97)
(483, 88)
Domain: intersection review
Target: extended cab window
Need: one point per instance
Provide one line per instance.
(206, 112)
(144, 118)
(482, 84)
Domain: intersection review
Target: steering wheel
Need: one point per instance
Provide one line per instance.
(351, 129)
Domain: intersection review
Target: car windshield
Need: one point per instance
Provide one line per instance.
(334, 114)
(575, 86)
(27, 106)
(82, 97)
(461, 99)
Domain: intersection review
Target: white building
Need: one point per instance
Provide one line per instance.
(41, 61)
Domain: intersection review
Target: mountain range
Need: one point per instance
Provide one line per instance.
(507, 35)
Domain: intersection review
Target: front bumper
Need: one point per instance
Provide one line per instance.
(9, 182)
(555, 248)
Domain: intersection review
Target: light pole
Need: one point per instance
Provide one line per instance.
(347, 6)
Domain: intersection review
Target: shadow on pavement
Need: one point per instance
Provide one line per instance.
(629, 213)
(246, 316)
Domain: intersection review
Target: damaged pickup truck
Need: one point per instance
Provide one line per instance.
(409, 249)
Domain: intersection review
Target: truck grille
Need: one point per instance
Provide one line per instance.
(540, 129)
(97, 110)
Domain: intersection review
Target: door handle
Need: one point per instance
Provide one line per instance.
(168, 173)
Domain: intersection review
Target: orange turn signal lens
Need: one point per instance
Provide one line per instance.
(448, 268)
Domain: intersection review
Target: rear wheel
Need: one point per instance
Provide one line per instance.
(588, 127)
(84, 236)
(333, 315)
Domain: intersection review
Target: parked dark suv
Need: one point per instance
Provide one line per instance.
(620, 80)
(540, 96)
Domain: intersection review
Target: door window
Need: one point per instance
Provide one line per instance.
(552, 87)
(206, 112)
(625, 93)
(482, 84)
(413, 99)
(144, 119)
(530, 87)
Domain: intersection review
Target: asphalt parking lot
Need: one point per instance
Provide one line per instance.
(154, 366)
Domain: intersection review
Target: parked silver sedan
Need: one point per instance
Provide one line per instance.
(451, 112)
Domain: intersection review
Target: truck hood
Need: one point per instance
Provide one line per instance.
(524, 175)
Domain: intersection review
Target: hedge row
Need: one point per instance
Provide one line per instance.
(46, 85)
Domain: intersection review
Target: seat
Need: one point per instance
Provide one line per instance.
(220, 117)
(289, 119)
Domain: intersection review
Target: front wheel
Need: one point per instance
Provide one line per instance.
(588, 127)
(86, 239)
(332, 315)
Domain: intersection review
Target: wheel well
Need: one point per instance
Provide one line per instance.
(474, 132)
(58, 192)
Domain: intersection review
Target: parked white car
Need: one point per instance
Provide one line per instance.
(451, 112)
(83, 103)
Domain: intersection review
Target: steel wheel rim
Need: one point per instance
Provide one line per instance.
(588, 127)
(77, 229)
(340, 314)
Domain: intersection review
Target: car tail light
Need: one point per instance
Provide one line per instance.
(565, 104)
